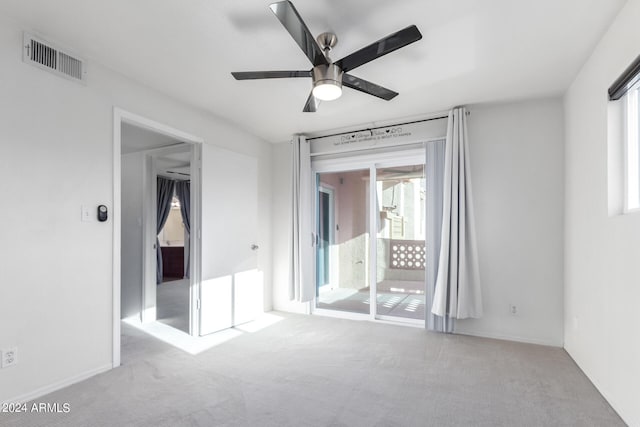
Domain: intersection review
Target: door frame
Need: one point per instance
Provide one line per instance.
(122, 116)
(372, 162)
(333, 232)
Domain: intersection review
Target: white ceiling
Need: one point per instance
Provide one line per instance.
(175, 165)
(135, 139)
(472, 51)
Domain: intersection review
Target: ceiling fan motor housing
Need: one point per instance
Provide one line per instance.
(327, 74)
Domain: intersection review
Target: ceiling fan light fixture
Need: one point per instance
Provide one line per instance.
(327, 82)
(327, 90)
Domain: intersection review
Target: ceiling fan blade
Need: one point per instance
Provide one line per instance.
(383, 46)
(252, 75)
(367, 87)
(290, 18)
(312, 104)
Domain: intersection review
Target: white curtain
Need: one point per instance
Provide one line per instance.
(457, 290)
(434, 184)
(301, 280)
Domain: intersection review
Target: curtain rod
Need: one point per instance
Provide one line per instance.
(173, 178)
(379, 127)
(626, 81)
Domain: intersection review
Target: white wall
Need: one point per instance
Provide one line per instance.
(517, 169)
(602, 268)
(131, 243)
(517, 155)
(56, 275)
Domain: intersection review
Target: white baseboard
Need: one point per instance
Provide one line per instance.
(58, 385)
(509, 338)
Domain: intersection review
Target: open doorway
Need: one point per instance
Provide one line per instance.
(156, 262)
(172, 243)
(173, 216)
(156, 214)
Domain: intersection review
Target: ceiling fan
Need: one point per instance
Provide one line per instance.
(328, 76)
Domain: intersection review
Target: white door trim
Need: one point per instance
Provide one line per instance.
(122, 116)
(149, 214)
(195, 240)
(373, 241)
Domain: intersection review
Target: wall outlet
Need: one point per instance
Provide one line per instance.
(9, 357)
(513, 310)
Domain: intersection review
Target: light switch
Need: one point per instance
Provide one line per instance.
(86, 214)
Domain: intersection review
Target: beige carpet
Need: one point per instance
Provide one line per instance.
(316, 371)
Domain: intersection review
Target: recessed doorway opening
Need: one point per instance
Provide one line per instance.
(146, 154)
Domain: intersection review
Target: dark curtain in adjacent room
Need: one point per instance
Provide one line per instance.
(166, 188)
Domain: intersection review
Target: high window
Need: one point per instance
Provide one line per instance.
(625, 89)
(632, 150)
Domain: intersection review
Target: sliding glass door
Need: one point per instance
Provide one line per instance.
(400, 243)
(385, 200)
